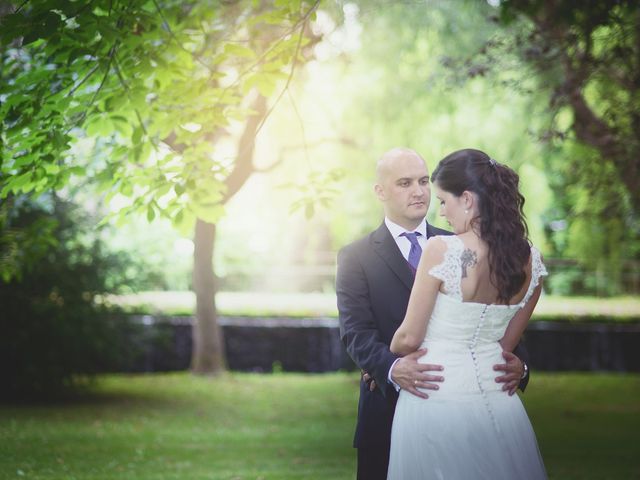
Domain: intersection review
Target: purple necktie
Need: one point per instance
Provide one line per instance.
(416, 249)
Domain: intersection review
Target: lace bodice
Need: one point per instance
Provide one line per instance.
(471, 322)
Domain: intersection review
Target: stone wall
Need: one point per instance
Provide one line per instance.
(313, 345)
(252, 344)
(562, 346)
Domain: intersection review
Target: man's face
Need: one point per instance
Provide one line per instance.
(403, 187)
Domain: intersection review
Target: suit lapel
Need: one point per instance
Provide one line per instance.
(385, 246)
(431, 231)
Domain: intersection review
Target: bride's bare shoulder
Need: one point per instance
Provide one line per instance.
(438, 244)
(435, 250)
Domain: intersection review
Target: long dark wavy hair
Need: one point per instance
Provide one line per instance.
(501, 223)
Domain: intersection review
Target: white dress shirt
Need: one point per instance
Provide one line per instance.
(403, 242)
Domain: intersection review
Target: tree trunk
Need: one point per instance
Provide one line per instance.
(208, 346)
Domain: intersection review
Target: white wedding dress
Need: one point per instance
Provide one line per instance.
(468, 429)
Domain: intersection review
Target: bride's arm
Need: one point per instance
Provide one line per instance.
(411, 332)
(519, 322)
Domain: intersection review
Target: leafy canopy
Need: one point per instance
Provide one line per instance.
(150, 85)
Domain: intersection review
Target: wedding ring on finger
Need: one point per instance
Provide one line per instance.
(415, 382)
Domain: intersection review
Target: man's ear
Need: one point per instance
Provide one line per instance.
(379, 192)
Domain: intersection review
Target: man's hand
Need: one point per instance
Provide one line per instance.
(368, 379)
(513, 369)
(411, 375)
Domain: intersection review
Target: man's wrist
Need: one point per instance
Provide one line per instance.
(390, 377)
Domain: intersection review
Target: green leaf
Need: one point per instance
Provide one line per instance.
(50, 22)
(151, 214)
(99, 126)
(122, 125)
(145, 151)
(115, 102)
(266, 85)
(51, 168)
(136, 135)
(78, 171)
(12, 26)
(42, 26)
(239, 50)
(8, 188)
(19, 181)
(308, 210)
(163, 189)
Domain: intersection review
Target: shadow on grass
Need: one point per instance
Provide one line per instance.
(88, 393)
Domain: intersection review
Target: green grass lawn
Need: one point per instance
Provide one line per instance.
(324, 304)
(284, 426)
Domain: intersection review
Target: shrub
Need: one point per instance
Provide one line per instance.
(56, 333)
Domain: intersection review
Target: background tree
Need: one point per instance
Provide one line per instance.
(574, 74)
(588, 55)
(585, 58)
(158, 86)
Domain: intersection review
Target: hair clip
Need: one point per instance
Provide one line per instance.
(493, 162)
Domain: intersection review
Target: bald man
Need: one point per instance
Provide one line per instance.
(373, 284)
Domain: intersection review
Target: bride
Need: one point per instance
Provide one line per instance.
(472, 297)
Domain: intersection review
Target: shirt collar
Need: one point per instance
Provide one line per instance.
(396, 230)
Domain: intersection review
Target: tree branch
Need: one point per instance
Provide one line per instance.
(86, 77)
(289, 78)
(243, 166)
(20, 6)
(301, 123)
(173, 36)
(112, 52)
(302, 21)
(127, 89)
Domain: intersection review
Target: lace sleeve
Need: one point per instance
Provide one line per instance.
(449, 270)
(538, 270)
